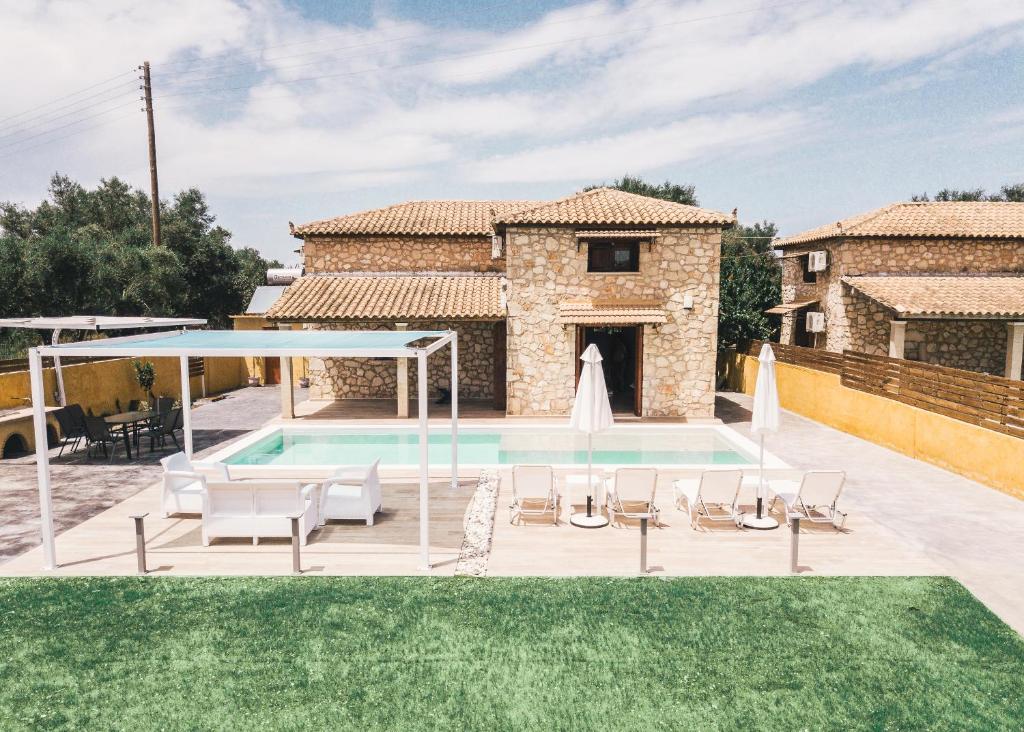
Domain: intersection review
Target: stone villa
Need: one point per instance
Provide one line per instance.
(527, 285)
(940, 282)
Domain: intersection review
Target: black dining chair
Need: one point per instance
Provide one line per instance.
(98, 432)
(165, 426)
(71, 420)
(164, 404)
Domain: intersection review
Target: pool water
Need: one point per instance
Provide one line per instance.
(691, 446)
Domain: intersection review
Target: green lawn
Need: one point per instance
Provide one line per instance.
(417, 653)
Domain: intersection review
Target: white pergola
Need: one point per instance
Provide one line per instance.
(94, 323)
(229, 343)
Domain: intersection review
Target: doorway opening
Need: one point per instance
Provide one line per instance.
(622, 351)
(271, 370)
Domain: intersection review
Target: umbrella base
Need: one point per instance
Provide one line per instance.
(765, 522)
(596, 521)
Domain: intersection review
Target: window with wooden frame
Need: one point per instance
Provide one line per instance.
(615, 255)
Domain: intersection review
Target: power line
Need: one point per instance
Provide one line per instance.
(44, 143)
(65, 96)
(16, 143)
(45, 118)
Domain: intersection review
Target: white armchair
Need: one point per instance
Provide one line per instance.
(351, 493)
(184, 482)
(256, 508)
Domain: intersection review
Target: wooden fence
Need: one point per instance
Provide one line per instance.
(812, 358)
(988, 401)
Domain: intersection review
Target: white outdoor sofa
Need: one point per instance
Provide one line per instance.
(184, 482)
(258, 508)
(351, 493)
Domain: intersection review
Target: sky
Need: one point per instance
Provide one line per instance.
(799, 112)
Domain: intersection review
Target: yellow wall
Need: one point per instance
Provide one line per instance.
(254, 364)
(983, 455)
(97, 384)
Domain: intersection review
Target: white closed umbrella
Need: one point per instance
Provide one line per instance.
(765, 418)
(591, 412)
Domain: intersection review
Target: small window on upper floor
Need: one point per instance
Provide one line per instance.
(805, 266)
(613, 256)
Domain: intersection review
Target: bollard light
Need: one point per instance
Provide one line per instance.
(794, 544)
(296, 559)
(643, 545)
(140, 540)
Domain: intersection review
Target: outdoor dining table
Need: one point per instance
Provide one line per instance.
(129, 422)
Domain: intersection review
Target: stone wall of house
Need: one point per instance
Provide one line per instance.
(974, 345)
(853, 322)
(399, 254)
(545, 267)
(373, 378)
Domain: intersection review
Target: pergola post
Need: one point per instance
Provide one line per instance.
(287, 387)
(35, 368)
(186, 405)
(61, 395)
(403, 380)
(897, 338)
(1014, 350)
(454, 346)
(421, 376)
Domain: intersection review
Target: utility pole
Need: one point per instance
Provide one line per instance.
(147, 89)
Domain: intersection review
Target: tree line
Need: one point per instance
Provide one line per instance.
(90, 252)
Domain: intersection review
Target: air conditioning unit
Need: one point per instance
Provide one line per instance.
(815, 322)
(817, 261)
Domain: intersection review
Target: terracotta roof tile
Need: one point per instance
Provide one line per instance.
(611, 207)
(965, 296)
(418, 218)
(946, 219)
(610, 312)
(392, 296)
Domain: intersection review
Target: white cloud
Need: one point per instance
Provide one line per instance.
(636, 151)
(586, 91)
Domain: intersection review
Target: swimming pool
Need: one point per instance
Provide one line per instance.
(676, 446)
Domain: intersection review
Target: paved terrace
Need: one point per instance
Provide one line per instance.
(906, 517)
(82, 488)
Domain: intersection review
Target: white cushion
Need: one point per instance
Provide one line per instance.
(193, 487)
(340, 490)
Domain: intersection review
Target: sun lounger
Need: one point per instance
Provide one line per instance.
(814, 498)
(533, 493)
(714, 496)
(630, 494)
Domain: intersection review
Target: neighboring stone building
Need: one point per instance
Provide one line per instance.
(527, 285)
(940, 282)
